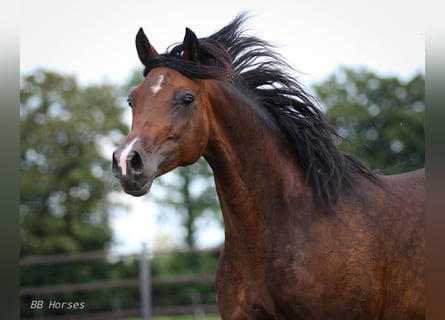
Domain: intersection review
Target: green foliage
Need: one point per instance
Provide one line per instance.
(381, 118)
(191, 263)
(64, 177)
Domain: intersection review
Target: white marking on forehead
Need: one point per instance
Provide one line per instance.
(124, 154)
(157, 86)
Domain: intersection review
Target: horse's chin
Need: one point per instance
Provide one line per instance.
(139, 192)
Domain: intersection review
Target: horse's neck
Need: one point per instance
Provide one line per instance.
(255, 172)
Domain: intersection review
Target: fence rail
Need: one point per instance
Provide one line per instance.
(62, 258)
(29, 261)
(111, 284)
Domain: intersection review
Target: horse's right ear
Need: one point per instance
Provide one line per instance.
(143, 47)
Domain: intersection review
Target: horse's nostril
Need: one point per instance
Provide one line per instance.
(135, 163)
(115, 167)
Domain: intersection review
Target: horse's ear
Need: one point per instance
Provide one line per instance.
(143, 47)
(190, 46)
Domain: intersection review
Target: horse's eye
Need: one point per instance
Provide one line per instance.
(188, 99)
(129, 103)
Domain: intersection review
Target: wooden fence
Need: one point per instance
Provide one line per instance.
(144, 281)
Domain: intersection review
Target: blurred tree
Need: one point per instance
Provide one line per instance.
(382, 118)
(188, 192)
(65, 177)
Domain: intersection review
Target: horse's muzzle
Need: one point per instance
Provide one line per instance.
(134, 173)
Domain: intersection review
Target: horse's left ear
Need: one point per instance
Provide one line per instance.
(144, 48)
(190, 46)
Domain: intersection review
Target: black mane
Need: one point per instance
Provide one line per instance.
(251, 63)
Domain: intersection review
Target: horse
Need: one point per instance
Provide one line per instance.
(310, 231)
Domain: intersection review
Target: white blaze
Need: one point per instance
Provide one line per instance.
(124, 154)
(157, 86)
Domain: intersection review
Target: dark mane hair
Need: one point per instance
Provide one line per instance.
(251, 63)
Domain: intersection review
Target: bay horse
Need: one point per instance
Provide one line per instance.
(310, 231)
